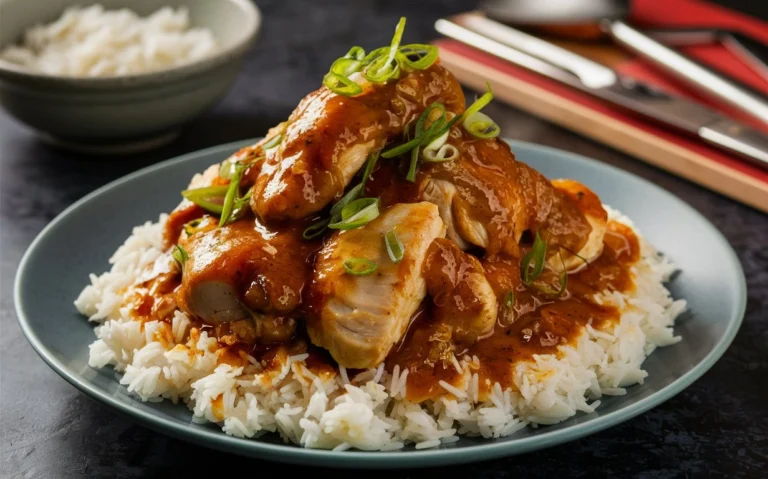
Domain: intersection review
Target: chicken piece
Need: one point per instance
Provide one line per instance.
(494, 199)
(465, 303)
(329, 136)
(359, 318)
(244, 266)
(442, 194)
(590, 205)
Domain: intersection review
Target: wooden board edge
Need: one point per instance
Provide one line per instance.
(606, 130)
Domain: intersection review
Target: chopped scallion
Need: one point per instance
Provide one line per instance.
(273, 142)
(509, 300)
(481, 125)
(537, 255)
(359, 266)
(232, 195)
(425, 55)
(395, 248)
(357, 213)
(316, 229)
(445, 153)
(180, 255)
(210, 198)
(341, 84)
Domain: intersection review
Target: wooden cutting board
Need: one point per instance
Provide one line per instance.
(680, 154)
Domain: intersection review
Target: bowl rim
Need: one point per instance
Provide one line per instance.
(251, 13)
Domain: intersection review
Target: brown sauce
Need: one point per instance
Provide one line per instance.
(536, 323)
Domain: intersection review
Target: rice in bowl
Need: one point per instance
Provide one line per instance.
(94, 42)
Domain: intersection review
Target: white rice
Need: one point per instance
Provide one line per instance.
(369, 411)
(93, 42)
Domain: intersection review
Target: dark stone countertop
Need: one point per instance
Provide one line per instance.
(716, 428)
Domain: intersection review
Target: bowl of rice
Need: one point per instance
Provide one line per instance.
(119, 76)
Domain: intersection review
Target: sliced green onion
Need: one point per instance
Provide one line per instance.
(381, 70)
(411, 175)
(273, 142)
(232, 195)
(346, 66)
(316, 229)
(537, 255)
(351, 195)
(369, 166)
(357, 213)
(374, 54)
(180, 255)
(478, 104)
(427, 55)
(445, 153)
(226, 169)
(420, 136)
(384, 67)
(240, 207)
(355, 53)
(395, 248)
(438, 142)
(400, 149)
(509, 299)
(481, 125)
(210, 198)
(359, 266)
(341, 85)
(191, 227)
(551, 293)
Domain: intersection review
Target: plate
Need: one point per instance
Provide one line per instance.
(82, 238)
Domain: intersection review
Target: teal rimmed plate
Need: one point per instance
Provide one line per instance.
(711, 280)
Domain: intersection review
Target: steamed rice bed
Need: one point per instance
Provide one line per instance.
(334, 410)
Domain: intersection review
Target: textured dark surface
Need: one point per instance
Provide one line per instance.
(716, 428)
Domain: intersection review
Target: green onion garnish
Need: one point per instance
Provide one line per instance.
(357, 213)
(191, 227)
(227, 169)
(369, 166)
(425, 55)
(180, 255)
(478, 104)
(351, 195)
(356, 53)
(315, 229)
(551, 293)
(481, 125)
(359, 266)
(395, 248)
(232, 195)
(445, 153)
(240, 207)
(273, 142)
(509, 300)
(537, 255)
(341, 85)
(421, 137)
(210, 198)
(385, 67)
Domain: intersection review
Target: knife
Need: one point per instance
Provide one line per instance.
(602, 82)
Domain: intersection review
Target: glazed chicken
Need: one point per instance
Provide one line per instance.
(469, 231)
(329, 136)
(359, 318)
